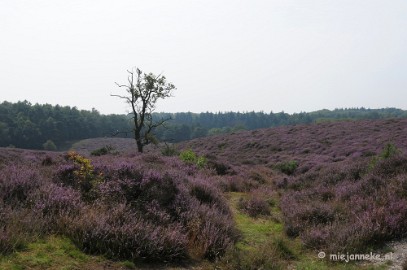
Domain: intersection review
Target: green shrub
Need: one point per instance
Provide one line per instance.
(129, 265)
(102, 151)
(389, 150)
(169, 151)
(84, 175)
(189, 156)
(287, 167)
(49, 146)
(201, 162)
(283, 249)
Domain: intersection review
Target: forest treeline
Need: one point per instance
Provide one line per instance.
(25, 125)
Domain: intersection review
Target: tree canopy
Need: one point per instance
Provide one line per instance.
(143, 92)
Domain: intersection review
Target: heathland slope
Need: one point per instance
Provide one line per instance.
(342, 185)
(268, 198)
(310, 145)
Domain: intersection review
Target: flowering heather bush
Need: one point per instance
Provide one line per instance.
(18, 227)
(118, 232)
(17, 182)
(166, 203)
(255, 206)
(53, 200)
(347, 208)
(258, 202)
(144, 207)
(206, 193)
(210, 232)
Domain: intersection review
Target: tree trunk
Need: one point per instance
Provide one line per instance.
(139, 146)
(138, 141)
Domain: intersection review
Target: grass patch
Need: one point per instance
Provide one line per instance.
(128, 265)
(56, 253)
(254, 230)
(264, 245)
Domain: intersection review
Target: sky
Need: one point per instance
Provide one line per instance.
(229, 55)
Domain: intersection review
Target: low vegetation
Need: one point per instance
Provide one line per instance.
(264, 199)
(123, 208)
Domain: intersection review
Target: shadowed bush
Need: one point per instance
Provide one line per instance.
(288, 167)
(220, 168)
(254, 206)
(119, 233)
(107, 149)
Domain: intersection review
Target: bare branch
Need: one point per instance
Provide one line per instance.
(121, 85)
(123, 97)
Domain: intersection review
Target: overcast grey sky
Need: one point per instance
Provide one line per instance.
(228, 55)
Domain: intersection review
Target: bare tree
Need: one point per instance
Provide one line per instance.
(143, 91)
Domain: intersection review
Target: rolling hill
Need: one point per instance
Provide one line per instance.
(267, 198)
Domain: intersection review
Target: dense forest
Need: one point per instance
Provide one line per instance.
(38, 126)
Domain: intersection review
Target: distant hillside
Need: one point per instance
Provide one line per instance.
(309, 145)
(24, 125)
(122, 145)
(185, 126)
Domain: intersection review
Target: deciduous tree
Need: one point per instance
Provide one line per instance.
(143, 92)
